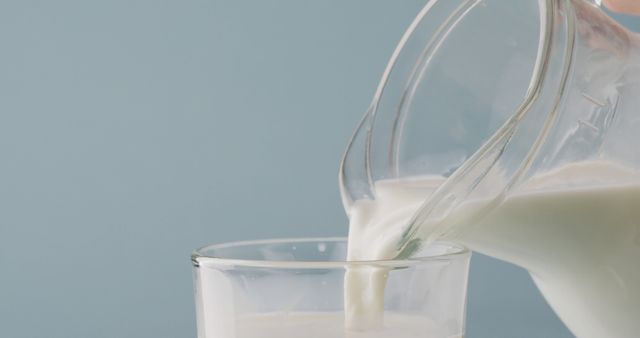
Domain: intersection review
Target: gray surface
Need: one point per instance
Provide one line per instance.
(132, 132)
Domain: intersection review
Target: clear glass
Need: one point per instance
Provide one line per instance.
(294, 288)
(494, 97)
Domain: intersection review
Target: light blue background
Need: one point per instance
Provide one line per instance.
(132, 132)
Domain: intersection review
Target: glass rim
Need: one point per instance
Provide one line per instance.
(199, 258)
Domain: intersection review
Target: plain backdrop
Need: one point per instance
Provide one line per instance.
(132, 132)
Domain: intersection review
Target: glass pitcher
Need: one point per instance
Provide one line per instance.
(528, 111)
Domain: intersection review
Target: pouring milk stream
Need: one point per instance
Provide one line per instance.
(552, 181)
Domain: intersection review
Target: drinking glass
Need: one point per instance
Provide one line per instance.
(293, 288)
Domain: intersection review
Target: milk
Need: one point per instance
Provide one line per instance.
(375, 228)
(331, 325)
(580, 242)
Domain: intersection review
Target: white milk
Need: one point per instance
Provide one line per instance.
(581, 243)
(375, 228)
(331, 325)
